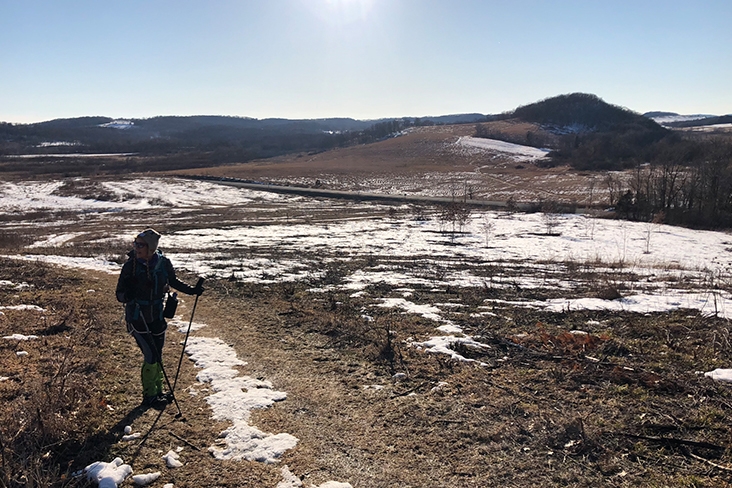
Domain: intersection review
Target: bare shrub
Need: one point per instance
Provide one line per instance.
(607, 290)
(453, 217)
(550, 215)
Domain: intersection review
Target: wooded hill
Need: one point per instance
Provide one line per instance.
(678, 177)
(592, 134)
(222, 138)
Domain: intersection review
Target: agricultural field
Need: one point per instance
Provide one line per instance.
(351, 343)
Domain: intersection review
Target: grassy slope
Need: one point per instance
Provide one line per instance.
(426, 158)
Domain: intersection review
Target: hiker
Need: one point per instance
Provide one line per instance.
(143, 282)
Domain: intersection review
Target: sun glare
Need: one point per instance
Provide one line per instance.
(344, 12)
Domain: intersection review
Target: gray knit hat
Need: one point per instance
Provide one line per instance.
(151, 236)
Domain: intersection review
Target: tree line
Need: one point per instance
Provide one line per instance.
(689, 183)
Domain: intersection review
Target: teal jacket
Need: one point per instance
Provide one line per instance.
(142, 286)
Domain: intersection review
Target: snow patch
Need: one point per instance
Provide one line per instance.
(108, 475)
(34, 308)
(289, 480)
(145, 479)
(234, 400)
(172, 459)
(516, 151)
(720, 374)
(20, 337)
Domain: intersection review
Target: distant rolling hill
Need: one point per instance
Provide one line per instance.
(583, 130)
(580, 129)
(231, 138)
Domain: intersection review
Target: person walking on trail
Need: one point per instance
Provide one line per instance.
(143, 282)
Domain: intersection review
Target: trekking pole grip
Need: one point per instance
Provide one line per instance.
(198, 289)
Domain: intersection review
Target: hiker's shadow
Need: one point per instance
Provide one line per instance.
(106, 445)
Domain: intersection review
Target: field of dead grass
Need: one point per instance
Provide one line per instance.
(425, 161)
(617, 405)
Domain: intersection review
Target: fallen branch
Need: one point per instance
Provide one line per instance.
(673, 440)
(709, 462)
(184, 440)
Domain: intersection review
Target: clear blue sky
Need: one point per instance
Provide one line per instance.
(364, 59)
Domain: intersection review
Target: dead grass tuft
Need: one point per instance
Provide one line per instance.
(51, 406)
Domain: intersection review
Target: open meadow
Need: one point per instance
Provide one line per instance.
(364, 343)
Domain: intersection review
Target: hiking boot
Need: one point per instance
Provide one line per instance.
(149, 400)
(155, 400)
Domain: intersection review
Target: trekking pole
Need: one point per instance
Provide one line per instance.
(180, 361)
(160, 358)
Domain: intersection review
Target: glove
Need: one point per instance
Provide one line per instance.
(198, 289)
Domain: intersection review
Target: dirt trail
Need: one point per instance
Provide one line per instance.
(355, 422)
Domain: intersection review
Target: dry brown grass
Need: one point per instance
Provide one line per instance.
(618, 406)
(428, 159)
(52, 407)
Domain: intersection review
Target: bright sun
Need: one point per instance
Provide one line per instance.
(347, 11)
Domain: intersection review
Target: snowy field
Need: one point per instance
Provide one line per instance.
(223, 232)
(262, 237)
(517, 152)
(288, 238)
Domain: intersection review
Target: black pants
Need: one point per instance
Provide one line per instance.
(151, 344)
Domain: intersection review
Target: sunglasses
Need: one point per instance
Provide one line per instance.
(139, 245)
